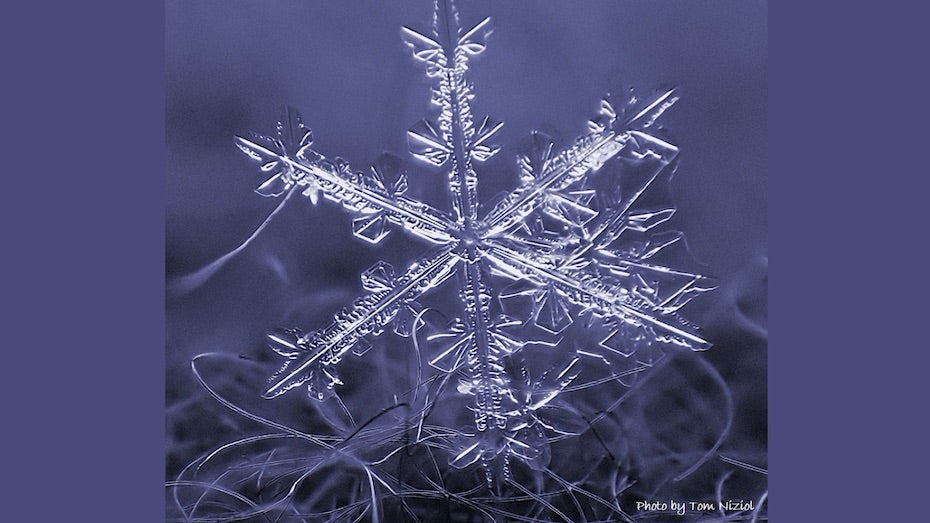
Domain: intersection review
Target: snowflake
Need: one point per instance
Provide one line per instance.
(567, 262)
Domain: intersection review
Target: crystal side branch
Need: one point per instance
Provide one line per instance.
(568, 244)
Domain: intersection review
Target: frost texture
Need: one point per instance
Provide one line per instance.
(560, 286)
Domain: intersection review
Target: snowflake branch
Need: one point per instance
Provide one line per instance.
(588, 153)
(488, 382)
(360, 196)
(368, 314)
(609, 225)
(609, 134)
(454, 139)
(593, 291)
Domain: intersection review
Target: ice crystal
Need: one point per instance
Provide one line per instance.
(568, 260)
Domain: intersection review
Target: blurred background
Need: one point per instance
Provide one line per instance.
(233, 65)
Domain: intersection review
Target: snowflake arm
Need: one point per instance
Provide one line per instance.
(374, 202)
(488, 381)
(611, 223)
(453, 140)
(594, 291)
(322, 350)
(505, 410)
(544, 175)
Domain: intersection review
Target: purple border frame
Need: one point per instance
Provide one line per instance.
(84, 262)
(83, 252)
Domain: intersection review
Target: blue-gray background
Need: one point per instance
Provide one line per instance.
(232, 65)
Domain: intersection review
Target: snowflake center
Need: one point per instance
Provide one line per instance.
(469, 236)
